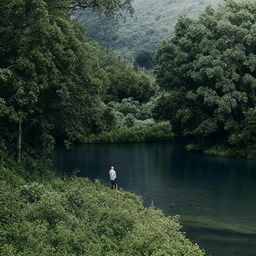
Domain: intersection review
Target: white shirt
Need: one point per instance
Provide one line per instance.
(112, 174)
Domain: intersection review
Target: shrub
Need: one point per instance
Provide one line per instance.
(143, 131)
(72, 216)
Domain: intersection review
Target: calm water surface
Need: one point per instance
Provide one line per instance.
(215, 197)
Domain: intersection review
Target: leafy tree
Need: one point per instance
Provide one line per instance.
(51, 78)
(125, 82)
(208, 68)
(247, 137)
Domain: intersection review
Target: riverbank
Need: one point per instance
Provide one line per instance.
(154, 132)
(223, 151)
(162, 131)
(53, 215)
(218, 191)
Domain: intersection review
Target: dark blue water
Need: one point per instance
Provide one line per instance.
(215, 197)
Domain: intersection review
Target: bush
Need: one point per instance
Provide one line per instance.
(125, 82)
(142, 132)
(208, 70)
(73, 216)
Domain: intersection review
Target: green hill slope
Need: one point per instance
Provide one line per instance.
(153, 21)
(55, 216)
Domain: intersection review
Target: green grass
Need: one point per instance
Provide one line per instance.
(70, 216)
(154, 132)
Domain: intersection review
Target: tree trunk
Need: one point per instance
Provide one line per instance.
(19, 143)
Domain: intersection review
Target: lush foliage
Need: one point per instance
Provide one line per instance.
(55, 216)
(54, 83)
(137, 37)
(146, 132)
(208, 71)
(49, 75)
(129, 112)
(123, 81)
(132, 121)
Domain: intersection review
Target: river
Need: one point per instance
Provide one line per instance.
(215, 197)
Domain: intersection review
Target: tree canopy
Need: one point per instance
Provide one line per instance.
(208, 70)
(54, 82)
(152, 22)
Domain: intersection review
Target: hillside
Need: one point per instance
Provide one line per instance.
(153, 21)
(54, 216)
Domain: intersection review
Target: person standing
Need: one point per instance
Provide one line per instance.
(112, 175)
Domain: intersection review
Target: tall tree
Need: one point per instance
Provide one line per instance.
(51, 78)
(208, 68)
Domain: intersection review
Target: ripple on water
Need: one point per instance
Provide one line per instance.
(223, 239)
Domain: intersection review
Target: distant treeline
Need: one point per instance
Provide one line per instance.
(137, 37)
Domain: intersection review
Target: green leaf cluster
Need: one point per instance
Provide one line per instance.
(132, 121)
(140, 132)
(208, 71)
(49, 77)
(125, 82)
(54, 216)
(54, 83)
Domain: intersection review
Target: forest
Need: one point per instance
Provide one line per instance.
(136, 38)
(58, 86)
(208, 72)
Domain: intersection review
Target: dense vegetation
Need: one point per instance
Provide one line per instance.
(132, 121)
(208, 71)
(53, 216)
(58, 86)
(55, 85)
(49, 76)
(140, 133)
(138, 36)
